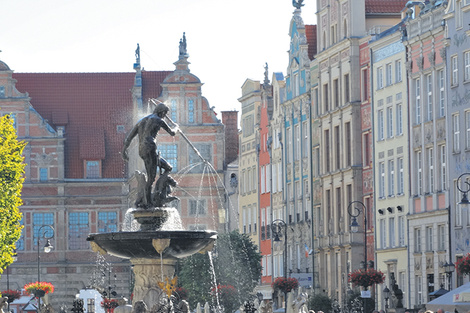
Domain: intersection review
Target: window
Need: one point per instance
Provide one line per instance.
(429, 91)
(441, 237)
(398, 71)
(337, 148)
(467, 130)
(431, 170)
(198, 207)
(380, 125)
(391, 231)
(325, 98)
(418, 101)
(458, 14)
(399, 119)
(190, 111)
(440, 76)
(347, 138)
(170, 154)
(381, 180)
(391, 178)
(327, 150)
(92, 169)
(454, 78)
(107, 222)
(305, 138)
(388, 74)
(336, 93)
(289, 145)
(443, 176)
(78, 230)
(389, 122)
(466, 60)
(2, 91)
(346, 88)
(401, 231)
(205, 151)
(297, 142)
(456, 131)
(401, 177)
(90, 305)
(365, 85)
(20, 242)
(39, 220)
(173, 111)
(43, 174)
(383, 232)
(429, 238)
(419, 169)
(419, 289)
(380, 78)
(417, 239)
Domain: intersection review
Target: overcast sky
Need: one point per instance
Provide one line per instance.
(228, 41)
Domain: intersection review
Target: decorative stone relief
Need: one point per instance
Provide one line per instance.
(429, 263)
(416, 137)
(432, 58)
(441, 130)
(420, 63)
(428, 133)
(409, 66)
(442, 52)
(417, 264)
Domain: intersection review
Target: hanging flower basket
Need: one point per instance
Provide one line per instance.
(11, 294)
(366, 278)
(39, 289)
(462, 265)
(285, 285)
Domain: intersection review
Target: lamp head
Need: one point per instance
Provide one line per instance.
(354, 225)
(48, 247)
(386, 292)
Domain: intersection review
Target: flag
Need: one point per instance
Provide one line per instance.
(306, 251)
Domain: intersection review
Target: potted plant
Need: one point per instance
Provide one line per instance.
(285, 285)
(109, 304)
(39, 289)
(462, 265)
(11, 294)
(366, 278)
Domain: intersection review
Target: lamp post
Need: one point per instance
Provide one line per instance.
(463, 189)
(15, 257)
(449, 269)
(386, 293)
(276, 227)
(47, 248)
(354, 211)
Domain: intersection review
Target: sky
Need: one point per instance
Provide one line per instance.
(228, 41)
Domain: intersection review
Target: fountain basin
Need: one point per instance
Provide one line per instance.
(153, 244)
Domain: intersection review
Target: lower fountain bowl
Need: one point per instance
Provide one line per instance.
(148, 244)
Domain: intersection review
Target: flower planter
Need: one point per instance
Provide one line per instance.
(39, 289)
(285, 285)
(39, 293)
(462, 265)
(366, 278)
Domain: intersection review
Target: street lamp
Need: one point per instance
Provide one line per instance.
(463, 190)
(449, 269)
(386, 293)
(276, 228)
(354, 211)
(47, 248)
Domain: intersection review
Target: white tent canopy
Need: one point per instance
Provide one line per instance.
(457, 299)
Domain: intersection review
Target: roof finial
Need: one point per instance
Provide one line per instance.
(298, 4)
(266, 79)
(137, 54)
(183, 51)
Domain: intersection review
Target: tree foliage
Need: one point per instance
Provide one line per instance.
(320, 302)
(11, 183)
(236, 262)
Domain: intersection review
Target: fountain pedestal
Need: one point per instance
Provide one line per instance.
(148, 273)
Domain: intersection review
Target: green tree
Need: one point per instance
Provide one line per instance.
(320, 302)
(236, 262)
(11, 183)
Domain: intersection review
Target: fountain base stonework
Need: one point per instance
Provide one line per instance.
(152, 252)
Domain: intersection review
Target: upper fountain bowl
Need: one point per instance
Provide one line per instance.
(153, 244)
